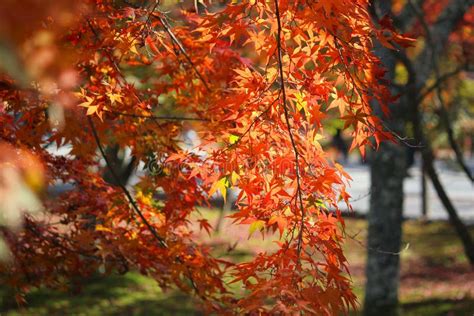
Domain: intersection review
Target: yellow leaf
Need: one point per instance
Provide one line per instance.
(87, 103)
(133, 49)
(234, 177)
(91, 109)
(101, 228)
(316, 138)
(220, 185)
(114, 97)
(271, 73)
(233, 139)
(301, 102)
(257, 225)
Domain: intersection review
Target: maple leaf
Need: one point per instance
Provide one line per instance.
(280, 221)
(87, 103)
(340, 104)
(114, 97)
(204, 224)
(221, 185)
(256, 225)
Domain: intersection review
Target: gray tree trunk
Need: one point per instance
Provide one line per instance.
(388, 166)
(385, 230)
(386, 205)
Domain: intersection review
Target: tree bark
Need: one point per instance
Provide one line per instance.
(386, 205)
(385, 230)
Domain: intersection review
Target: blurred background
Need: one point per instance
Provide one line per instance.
(410, 232)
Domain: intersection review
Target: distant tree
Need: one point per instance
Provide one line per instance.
(436, 24)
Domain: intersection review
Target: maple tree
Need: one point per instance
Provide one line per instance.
(256, 80)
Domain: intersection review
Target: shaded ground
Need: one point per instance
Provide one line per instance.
(436, 279)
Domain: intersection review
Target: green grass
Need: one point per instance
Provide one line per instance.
(130, 294)
(436, 279)
(439, 308)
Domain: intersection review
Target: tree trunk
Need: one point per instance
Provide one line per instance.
(386, 205)
(385, 230)
(424, 192)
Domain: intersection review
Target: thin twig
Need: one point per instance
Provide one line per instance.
(181, 48)
(287, 120)
(165, 118)
(353, 237)
(29, 226)
(157, 3)
(254, 122)
(439, 81)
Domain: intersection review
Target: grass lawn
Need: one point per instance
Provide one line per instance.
(435, 280)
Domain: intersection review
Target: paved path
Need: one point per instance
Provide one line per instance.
(458, 188)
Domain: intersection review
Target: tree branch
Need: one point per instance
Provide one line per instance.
(135, 207)
(428, 159)
(165, 118)
(406, 18)
(181, 48)
(443, 27)
(287, 119)
(440, 80)
(443, 114)
(422, 70)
